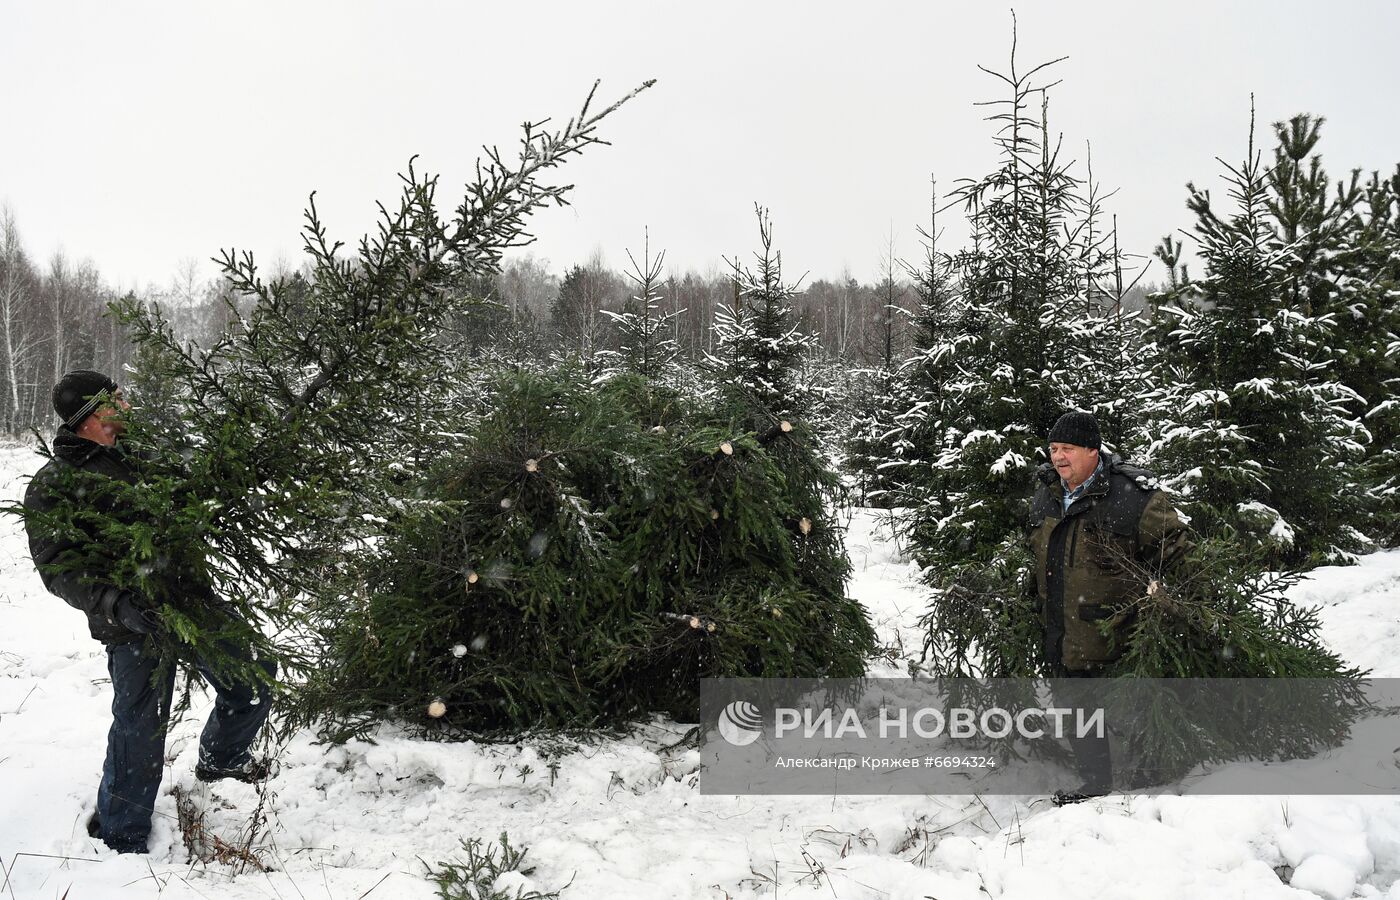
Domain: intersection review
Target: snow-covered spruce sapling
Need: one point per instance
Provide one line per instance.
(1010, 333)
(644, 342)
(479, 875)
(759, 349)
(996, 360)
(879, 394)
(1261, 445)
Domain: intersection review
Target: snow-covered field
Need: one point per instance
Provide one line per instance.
(624, 819)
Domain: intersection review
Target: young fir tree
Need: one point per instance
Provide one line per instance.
(1342, 266)
(1004, 359)
(877, 398)
(979, 621)
(1264, 447)
(1007, 348)
(1119, 369)
(1309, 221)
(917, 425)
(645, 341)
(262, 455)
(584, 556)
(1375, 257)
(759, 352)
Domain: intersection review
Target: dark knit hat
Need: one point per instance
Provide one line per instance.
(1078, 428)
(79, 393)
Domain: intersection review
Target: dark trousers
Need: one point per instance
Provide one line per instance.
(1092, 757)
(136, 741)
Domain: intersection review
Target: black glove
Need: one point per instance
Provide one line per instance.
(129, 611)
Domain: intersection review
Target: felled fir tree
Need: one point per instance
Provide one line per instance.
(262, 455)
(584, 556)
(1223, 615)
(589, 550)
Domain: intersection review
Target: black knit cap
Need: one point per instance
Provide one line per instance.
(1078, 428)
(79, 393)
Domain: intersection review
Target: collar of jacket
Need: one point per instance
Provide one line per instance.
(1051, 479)
(73, 449)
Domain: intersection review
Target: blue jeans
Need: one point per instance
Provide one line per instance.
(136, 741)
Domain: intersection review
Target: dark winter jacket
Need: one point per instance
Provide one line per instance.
(59, 481)
(1095, 558)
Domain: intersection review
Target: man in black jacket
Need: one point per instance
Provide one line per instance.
(87, 449)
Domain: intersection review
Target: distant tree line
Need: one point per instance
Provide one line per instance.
(54, 316)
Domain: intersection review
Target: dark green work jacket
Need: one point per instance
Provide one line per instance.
(1095, 559)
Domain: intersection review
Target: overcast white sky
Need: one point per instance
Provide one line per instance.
(143, 134)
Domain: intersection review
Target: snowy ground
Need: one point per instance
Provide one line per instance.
(625, 819)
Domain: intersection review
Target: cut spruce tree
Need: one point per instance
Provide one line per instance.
(1224, 621)
(583, 557)
(260, 456)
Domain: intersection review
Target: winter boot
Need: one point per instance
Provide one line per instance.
(250, 772)
(94, 830)
(1078, 795)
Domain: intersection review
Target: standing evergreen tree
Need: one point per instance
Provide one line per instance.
(1266, 446)
(878, 397)
(1341, 264)
(996, 369)
(646, 344)
(578, 313)
(1376, 260)
(571, 314)
(759, 351)
(917, 428)
(1009, 343)
(1309, 223)
(1118, 369)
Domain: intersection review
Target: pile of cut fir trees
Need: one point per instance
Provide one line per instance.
(586, 555)
(590, 548)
